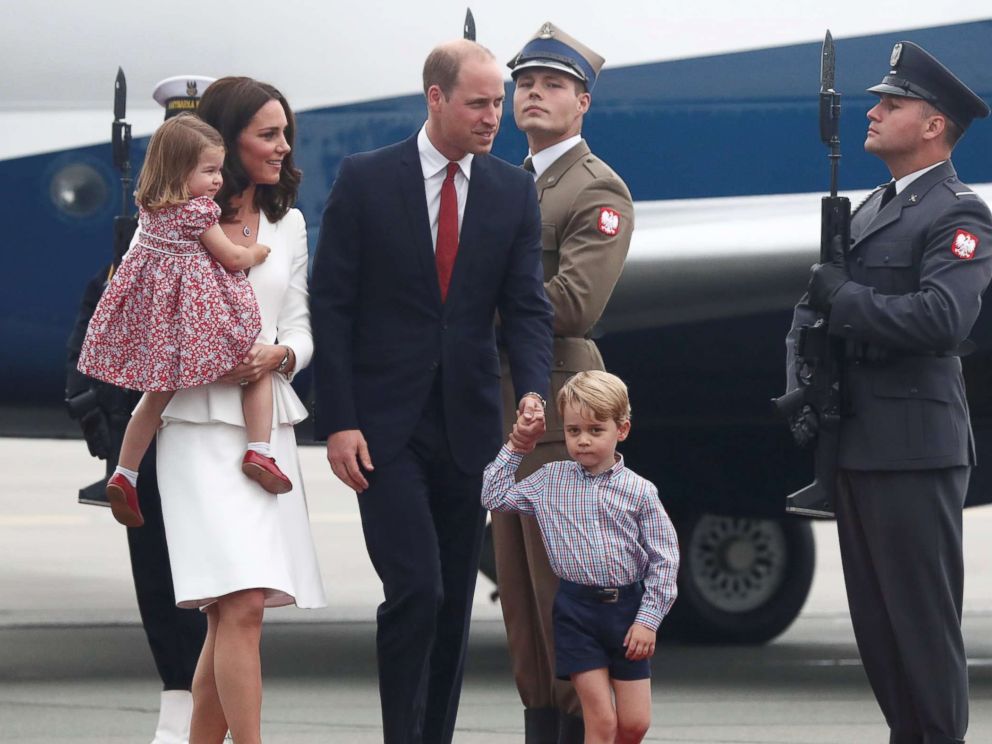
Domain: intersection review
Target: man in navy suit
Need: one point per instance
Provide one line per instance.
(421, 243)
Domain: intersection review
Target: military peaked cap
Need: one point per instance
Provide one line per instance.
(553, 48)
(180, 93)
(915, 73)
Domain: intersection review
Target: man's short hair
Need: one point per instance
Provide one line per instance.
(601, 394)
(952, 132)
(443, 64)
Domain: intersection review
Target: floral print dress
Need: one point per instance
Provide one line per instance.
(172, 317)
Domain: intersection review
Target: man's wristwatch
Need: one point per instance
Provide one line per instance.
(544, 403)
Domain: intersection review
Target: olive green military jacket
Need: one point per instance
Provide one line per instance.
(587, 217)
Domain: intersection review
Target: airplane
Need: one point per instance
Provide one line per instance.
(708, 112)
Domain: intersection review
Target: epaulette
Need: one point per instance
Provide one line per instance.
(959, 189)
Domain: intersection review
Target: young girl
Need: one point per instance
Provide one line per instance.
(179, 312)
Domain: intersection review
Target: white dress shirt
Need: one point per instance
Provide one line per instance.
(435, 168)
(546, 157)
(908, 179)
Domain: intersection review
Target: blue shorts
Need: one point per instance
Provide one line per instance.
(589, 632)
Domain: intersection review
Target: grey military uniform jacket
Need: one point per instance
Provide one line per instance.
(587, 217)
(918, 268)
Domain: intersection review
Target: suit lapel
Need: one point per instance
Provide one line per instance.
(550, 178)
(910, 197)
(415, 202)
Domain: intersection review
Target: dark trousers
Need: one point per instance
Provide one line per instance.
(175, 636)
(900, 541)
(423, 525)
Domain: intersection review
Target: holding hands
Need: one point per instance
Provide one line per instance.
(530, 425)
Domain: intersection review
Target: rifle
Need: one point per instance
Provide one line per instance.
(818, 356)
(103, 410)
(126, 222)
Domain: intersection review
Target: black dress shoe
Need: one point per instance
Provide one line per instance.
(540, 726)
(571, 729)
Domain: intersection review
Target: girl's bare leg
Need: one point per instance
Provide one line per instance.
(208, 725)
(257, 405)
(140, 432)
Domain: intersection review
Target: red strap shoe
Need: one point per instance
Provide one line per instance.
(264, 470)
(124, 501)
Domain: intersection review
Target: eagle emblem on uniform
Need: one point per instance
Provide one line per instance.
(609, 221)
(964, 244)
(191, 87)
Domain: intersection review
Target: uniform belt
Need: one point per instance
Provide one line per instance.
(858, 351)
(604, 594)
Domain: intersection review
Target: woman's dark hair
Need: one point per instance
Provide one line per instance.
(227, 105)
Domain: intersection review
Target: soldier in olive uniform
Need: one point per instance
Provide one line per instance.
(904, 297)
(587, 218)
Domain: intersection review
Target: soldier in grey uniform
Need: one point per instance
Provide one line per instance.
(904, 297)
(587, 218)
(174, 635)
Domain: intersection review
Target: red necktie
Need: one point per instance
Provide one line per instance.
(447, 231)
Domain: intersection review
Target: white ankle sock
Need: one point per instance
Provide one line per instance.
(131, 475)
(262, 448)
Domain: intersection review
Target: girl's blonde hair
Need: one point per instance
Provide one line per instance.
(173, 154)
(596, 392)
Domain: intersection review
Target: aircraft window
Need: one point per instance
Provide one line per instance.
(78, 190)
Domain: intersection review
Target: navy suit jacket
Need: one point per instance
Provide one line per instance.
(381, 332)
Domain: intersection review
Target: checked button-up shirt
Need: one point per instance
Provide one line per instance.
(605, 530)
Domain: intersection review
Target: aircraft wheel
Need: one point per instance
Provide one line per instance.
(741, 580)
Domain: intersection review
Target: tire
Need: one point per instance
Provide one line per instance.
(741, 579)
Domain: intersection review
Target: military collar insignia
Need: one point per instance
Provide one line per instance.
(913, 198)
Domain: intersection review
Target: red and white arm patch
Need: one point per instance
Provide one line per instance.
(609, 221)
(964, 244)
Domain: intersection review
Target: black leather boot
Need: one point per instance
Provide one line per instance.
(571, 729)
(541, 726)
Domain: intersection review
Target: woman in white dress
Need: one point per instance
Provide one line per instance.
(235, 548)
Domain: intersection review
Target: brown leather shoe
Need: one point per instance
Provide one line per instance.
(264, 470)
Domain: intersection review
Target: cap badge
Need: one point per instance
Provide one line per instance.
(964, 244)
(609, 221)
(546, 31)
(191, 87)
(896, 53)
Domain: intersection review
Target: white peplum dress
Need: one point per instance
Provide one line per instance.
(225, 532)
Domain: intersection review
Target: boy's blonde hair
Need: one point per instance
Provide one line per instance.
(173, 154)
(599, 393)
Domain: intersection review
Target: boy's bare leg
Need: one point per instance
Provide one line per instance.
(140, 432)
(598, 713)
(257, 406)
(633, 709)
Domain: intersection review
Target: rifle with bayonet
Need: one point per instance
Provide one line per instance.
(813, 408)
(102, 409)
(127, 221)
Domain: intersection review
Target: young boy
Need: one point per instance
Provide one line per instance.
(612, 546)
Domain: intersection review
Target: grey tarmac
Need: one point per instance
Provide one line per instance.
(74, 666)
